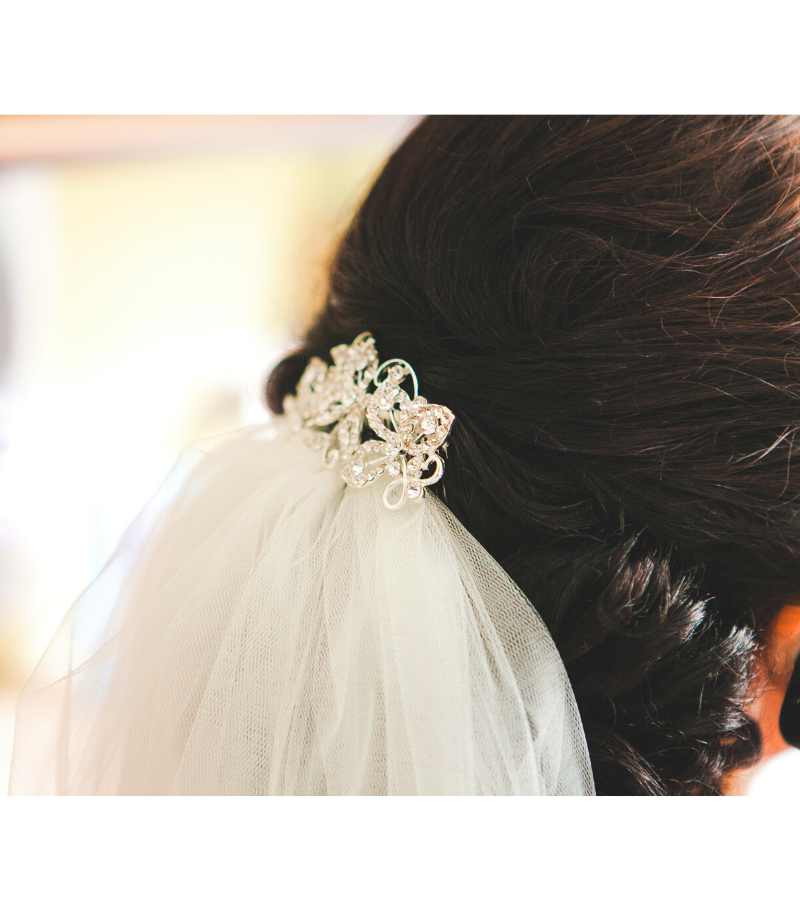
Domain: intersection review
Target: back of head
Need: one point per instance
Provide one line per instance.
(610, 307)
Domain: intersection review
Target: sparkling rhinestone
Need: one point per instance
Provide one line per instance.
(414, 464)
(428, 424)
(357, 466)
(358, 358)
(414, 491)
(394, 469)
(397, 372)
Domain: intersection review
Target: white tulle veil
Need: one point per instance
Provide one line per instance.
(266, 628)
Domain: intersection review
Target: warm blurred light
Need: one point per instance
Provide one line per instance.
(57, 138)
(143, 300)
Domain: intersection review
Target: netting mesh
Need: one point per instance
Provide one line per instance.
(262, 629)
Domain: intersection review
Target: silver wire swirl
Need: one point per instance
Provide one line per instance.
(409, 430)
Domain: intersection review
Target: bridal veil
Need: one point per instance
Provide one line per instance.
(264, 628)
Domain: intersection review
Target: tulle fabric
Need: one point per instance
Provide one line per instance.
(263, 629)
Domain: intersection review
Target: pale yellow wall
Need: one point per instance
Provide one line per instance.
(158, 248)
(153, 296)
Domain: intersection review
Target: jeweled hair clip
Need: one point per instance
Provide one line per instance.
(408, 430)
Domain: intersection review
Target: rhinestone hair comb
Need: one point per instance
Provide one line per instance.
(408, 430)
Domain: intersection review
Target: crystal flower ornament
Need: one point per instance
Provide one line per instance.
(335, 404)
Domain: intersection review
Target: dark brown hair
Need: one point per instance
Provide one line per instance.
(610, 307)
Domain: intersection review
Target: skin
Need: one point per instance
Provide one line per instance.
(782, 650)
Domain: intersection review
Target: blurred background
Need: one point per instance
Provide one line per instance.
(152, 269)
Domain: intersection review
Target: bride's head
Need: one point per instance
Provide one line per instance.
(611, 308)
